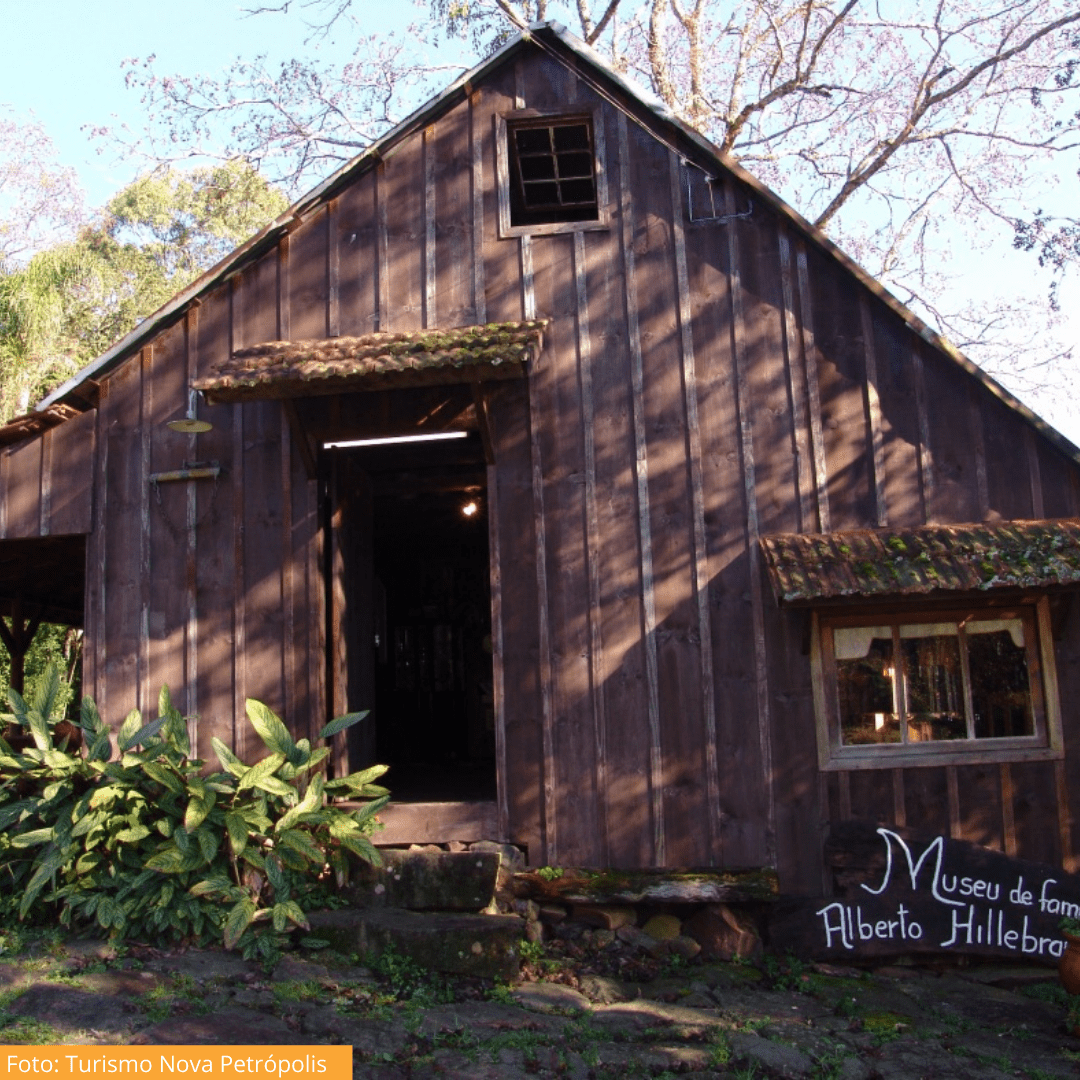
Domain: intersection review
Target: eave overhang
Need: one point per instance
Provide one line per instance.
(943, 559)
(288, 369)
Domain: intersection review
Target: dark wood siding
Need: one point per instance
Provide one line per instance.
(702, 384)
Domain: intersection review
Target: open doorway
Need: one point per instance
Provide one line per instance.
(417, 581)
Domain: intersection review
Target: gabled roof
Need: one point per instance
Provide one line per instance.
(638, 104)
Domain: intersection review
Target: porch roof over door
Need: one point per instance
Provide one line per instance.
(288, 369)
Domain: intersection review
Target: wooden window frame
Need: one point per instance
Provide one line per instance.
(503, 123)
(1046, 744)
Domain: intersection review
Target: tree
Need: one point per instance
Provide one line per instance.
(41, 202)
(899, 133)
(68, 303)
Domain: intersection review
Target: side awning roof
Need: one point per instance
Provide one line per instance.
(284, 369)
(951, 558)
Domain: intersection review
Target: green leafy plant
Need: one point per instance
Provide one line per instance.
(150, 846)
(549, 873)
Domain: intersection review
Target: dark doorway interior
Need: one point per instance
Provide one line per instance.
(431, 616)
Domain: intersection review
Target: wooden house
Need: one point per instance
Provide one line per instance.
(725, 545)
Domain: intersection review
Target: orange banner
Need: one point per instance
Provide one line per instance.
(167, 1062)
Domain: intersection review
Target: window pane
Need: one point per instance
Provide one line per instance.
(533, 140)
(934, 681)
(1000, 692)
(864, 667)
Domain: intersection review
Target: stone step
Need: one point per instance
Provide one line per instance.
(485, 946)
(582, 886)
(428, 881)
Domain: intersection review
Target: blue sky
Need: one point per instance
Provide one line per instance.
(62, 61)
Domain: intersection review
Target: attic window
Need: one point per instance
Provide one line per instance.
(551, 173)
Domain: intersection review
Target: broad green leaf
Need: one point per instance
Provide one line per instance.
(341, 723)
(132, 723)
(364, 848)
(209, 842)
(133, 835)
(199, 805)
(229, 761)
(164, 776)
(164, 702)
(369, 810)
(312, 800)
(237, 828)
(238, 920)
(303, 844)
(295, 914)
(100, 748)
(276, 787)
(271, 730)
(89, 718)
(274, 872)
(49, 685)
(32, 838)
(260, 771)
(50, 862)
(214, 886)
(143, 735)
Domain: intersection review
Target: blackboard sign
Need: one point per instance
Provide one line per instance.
(897, 893)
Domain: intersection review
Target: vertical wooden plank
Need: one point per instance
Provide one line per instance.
(382, 218)
(1055, 474)
(1035, 812)
(1008, 823)
(954, 803)
(873, 412)
(927, 801)
(1008, 476)
(212, 652)
(978, 449)
(23, 496)
(288, 598)
(358, 258)
(449, 168)
(5, 487)
(333, 270)
(284, 323)
(191, 630)
(47, 441)
(97, 562)
(429, 318)
(72, 484)
(551, 843)
(641, 475)
(125, 481)
(245, 746)
(871, 795)
(926, 459)
(979, 797)
(146, 363)
(476, 146)
(812, 356)
(701, 574)
(592, 546)
(1034, 474)
(1065, 817)
(955, 482)
(746, 445)
(406, 233)
(305, 286)
(796, 366)
(166, 532)
(626, 774)
(498, 694)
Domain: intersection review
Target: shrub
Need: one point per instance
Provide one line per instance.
(148, 846)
